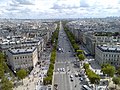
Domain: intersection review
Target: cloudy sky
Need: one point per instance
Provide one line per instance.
(37, 9)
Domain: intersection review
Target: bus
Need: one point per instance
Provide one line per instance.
(85, 87)
(85, 53)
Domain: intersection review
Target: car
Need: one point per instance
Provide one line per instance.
(76, 75)
(58, 69)
(63, 69)
(72, 79)
(79, 75)
(56, 86)
(81, 79)
(71, 76)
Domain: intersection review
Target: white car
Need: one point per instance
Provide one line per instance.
(63, 69)
(58, 69)
(76, 74)
(81, 79)
(72, 79)
(71, 76)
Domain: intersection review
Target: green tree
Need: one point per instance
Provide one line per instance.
(109, 70)
(93, 77)
(86, 66)
(73, 41)
(2, 58)
(116, 81)
(6, 84)
(47, 80)
(1, 70)
(118, 71)
(22, 73)
(105, 65)
(79, 52)
(75, 46)
(81, 57)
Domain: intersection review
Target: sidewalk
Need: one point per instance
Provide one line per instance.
(34, 79)
(112, 85)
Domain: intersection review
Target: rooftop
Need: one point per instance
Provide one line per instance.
(108, 48)
(22, 51)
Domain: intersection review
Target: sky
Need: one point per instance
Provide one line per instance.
(50, 9)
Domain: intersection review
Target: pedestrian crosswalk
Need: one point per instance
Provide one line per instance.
(63, 62)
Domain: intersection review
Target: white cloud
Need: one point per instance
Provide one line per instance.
(58, 8)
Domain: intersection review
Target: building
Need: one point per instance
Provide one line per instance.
(22, 58)
(108, 54)
(7, 44)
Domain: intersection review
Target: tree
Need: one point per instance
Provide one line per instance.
(86, 66)
(93, 77)
(22, 74)
(2, 58)
(105, 65)
(1, 71)
(72, 41)
(75, 46)
(116, 81)
(109, 70)
(6, 84)
(81, 57)
(118, 71)
(79, 52)
(47, 80)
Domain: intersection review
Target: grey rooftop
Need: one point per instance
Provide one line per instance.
(22, 51)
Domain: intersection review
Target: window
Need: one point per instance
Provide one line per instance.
(17, 57)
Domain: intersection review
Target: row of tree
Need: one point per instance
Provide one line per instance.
(107, 69)
(5, 83)
(93, 77)
(71, 37)
(48, 80)
(110, 71)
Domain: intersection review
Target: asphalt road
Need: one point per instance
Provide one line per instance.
(65, 60)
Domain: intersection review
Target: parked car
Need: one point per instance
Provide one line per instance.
(63, 69)
(76, 75)
(56, 86)
(72, 79)
(81, 79)
(71, 76)
(58, 69)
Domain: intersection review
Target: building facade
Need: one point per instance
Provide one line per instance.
(22, 58)
(108, 54)
(39, 43)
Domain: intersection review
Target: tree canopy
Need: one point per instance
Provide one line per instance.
(22, 73)
(86, 66)
(93, 77)
(108, 69)
(79, 52)
(116, 81)
(6, 84)
(81, 57)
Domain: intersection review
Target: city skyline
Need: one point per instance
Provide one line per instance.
(50, 9)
